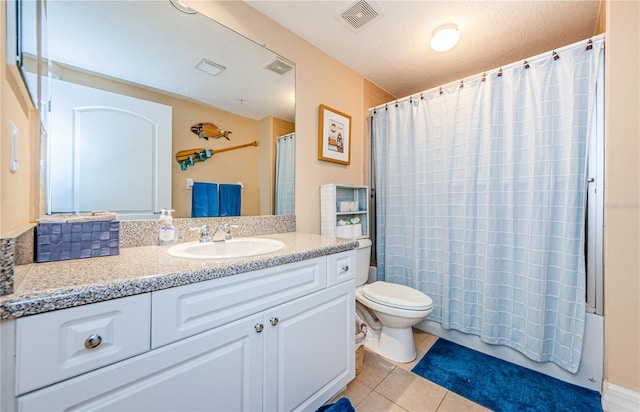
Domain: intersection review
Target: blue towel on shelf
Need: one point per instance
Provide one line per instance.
(205, 200)
(230, 199)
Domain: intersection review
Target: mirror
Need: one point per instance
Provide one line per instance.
(24, 20)
(203, 71)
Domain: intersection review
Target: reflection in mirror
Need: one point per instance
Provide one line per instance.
(26, 17)
(125, 74)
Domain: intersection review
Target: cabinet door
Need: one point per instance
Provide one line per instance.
(219, 370)
(309, 349)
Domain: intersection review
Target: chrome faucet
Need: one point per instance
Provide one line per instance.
(224, 233)
(205, 236)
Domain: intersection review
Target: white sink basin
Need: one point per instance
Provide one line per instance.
(228, 249)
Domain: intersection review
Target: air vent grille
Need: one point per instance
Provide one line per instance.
(359, 14)
(279, 66)
(210, 67)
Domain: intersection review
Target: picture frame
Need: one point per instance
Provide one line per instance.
(334, 135)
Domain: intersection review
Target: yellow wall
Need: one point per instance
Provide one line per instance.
(19, 202)
(622, 196)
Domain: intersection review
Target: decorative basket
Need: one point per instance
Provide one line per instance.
(76, 238)
(359, 359)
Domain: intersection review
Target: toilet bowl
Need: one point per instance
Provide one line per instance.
(395, 308)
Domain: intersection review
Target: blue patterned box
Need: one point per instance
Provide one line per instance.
(76, 240)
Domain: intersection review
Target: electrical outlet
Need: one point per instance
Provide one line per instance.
(189, 183)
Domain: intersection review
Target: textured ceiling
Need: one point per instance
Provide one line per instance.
(393, 50)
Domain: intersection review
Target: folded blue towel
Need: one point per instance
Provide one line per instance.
(230, 199)
(343, 405)
(205, 200)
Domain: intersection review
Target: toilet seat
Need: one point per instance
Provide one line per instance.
(397, 296)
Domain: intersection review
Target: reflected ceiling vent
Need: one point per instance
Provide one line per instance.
(210, 67)
(279, 66)
(359, 14)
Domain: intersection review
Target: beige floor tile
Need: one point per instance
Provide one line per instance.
(374, 369)
(419, 335)
(411, 391)
(423, 342)
(456, 403)
(356, 391)
(426, 341)
(377, 403)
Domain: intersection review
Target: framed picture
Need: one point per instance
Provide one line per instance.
(334, 135)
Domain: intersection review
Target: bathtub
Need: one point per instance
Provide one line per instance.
(589, 375)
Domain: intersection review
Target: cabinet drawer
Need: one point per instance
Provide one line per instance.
(57, 345)
(341, 267)
(187, 310)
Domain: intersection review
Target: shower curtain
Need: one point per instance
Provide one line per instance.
(480, 196)
(285, 176)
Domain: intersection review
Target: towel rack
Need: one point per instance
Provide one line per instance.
(189, 157)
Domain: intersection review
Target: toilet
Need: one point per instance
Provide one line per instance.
(390, 309)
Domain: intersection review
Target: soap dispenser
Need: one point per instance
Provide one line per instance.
(168, 234)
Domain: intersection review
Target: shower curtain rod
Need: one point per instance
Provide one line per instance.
(285, 135)
(488, 72)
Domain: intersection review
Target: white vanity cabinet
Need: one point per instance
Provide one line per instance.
(276, 339)
(217, 370)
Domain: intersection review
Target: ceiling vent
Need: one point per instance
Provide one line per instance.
(279, 66)
(210, 67)
(358, 15)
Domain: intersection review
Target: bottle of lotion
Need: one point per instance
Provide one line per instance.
(168, 234)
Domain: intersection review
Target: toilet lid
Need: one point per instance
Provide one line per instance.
(397, 296)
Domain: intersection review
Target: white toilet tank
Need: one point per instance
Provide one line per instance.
(363, 259)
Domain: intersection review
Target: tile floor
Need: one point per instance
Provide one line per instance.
(386, 386)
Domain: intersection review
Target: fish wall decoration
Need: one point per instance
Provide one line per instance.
(209, 130)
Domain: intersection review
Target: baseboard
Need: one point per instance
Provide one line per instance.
(618, 399)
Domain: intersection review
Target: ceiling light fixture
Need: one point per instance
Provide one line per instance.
(445, 37)
(182, 7)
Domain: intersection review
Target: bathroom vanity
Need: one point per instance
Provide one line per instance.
(272, 332)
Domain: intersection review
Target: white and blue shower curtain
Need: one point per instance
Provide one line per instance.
(285, 175)
(480, 197)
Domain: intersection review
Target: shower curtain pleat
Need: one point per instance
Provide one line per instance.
(285, 175)
(481, 202)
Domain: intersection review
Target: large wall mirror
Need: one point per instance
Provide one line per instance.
(190, 70)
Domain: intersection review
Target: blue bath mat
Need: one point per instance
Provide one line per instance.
(500, 385)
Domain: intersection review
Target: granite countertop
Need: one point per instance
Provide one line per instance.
(43, 287)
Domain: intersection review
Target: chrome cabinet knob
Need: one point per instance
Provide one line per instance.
(274, 321)
(93, 341)
(345, 268)
(259, 327)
